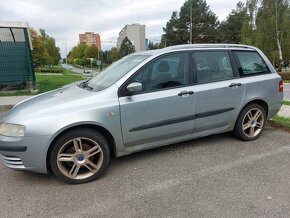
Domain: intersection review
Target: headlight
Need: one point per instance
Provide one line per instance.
(12, 130)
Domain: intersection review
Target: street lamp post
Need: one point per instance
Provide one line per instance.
(190, 35)
(65, 56)
(92, 65)
(105, 41)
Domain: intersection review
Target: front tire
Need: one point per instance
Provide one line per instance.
(79, 156)
(250, 123)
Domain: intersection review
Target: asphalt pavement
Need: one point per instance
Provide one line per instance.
(78, 70)
(216, 176)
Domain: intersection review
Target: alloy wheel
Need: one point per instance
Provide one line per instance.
(253, 122)
(80, 158)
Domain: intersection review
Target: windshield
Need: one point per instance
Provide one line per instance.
(115, 72)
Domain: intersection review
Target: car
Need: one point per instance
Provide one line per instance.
(70, 68)
(145, 100)
(87, 71)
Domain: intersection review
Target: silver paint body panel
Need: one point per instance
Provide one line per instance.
(136, 122)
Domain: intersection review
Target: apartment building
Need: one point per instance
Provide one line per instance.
(90, 38)
(135, 33)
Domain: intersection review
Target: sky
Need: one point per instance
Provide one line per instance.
(65, 19)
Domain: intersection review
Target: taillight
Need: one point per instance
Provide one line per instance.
(281, 86)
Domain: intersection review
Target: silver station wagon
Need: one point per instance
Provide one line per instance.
(145, 100)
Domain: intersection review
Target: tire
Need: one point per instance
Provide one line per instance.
(250, 123)
(79, 156)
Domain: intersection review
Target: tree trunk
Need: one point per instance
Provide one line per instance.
(277, 37)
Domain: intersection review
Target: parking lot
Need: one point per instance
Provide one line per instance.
(216, 176)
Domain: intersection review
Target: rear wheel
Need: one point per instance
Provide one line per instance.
(79, 156)
(250, 123)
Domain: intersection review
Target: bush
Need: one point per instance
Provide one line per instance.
(285, 76)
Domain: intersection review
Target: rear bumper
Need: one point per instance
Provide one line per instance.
(27, 153)
(274, 109)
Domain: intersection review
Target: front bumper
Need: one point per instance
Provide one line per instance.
(27, 153)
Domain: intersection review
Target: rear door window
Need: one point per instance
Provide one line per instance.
(212, 66)
(251, 63)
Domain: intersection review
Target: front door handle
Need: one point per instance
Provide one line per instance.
(185, 93)
(235, 84)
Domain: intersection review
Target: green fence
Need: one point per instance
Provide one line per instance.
(16, 66)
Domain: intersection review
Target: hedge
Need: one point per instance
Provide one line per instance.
(285, 76)
(49, 70)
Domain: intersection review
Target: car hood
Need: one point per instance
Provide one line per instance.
(57, 101)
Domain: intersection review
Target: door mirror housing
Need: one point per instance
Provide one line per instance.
(134, 87)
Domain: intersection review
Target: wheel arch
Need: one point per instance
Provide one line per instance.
(106, 133)
(261, 102)
(237, 127)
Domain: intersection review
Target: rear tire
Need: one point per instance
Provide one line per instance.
(79, 156)
(250, 123)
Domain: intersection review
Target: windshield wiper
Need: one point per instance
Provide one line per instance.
(85, 85)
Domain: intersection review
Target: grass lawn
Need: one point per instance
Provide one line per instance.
(47, 82)
(281, 122)
(286, 81)
(50, 82)
(16, 93)
(286, 103)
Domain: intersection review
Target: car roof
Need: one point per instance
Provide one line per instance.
(195, 46)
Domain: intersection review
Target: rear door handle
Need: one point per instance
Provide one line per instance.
(185, 93)
(235, 84)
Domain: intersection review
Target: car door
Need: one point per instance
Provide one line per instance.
(164, 108)
(218, 91)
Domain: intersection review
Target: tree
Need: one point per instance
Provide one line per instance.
(172, 32)
(267, 28)
(230, 29)
(78, 51)
(126, 47)
(51, 53)
(44, 51)
(204, 25)
(91, 52)
(152, 45)
(38, 48)
(114, 55)
(248, 32)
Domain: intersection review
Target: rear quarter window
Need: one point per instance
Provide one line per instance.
(251, 63)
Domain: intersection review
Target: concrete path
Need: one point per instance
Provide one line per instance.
(287, 91)
(12, 100)
(284, 111)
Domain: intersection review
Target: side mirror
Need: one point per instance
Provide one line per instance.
(134, 87)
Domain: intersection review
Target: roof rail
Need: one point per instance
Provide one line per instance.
(187, 46)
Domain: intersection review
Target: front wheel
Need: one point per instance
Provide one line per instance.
(250, 123)
(79, 156)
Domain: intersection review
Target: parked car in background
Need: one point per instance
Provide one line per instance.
(145, 100)
(87, 71)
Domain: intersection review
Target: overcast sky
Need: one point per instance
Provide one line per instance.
(65, 19)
